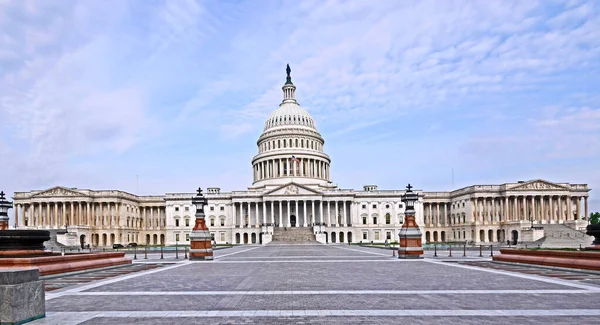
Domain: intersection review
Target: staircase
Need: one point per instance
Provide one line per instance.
(293, 235)
(561, 236)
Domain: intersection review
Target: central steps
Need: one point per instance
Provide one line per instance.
(293, 235)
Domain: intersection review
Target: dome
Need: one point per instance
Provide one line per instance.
(290, 113)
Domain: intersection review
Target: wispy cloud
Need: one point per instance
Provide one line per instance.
(494, 89)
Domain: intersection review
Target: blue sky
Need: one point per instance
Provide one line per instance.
(93, 93)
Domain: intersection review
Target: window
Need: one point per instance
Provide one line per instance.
(187, 208)
(387, 206)
(212, 208)
(364, 206)
(187, 222)
(222, 222)
(176, 237)
(377, 235)
(374, 220)
(212, 222)
(222, 208)
(364, 220)
(222, 237)
(388, 235)
(176, 208)
(365, 235)
(187, 237)
(374, 206)
(388, 219)
(176, 222)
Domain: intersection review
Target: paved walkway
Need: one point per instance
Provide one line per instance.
(323, 284)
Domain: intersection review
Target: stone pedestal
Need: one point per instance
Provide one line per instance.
(267, 238)
(21, 296)
(321, 238)
(200, 241)
(410, 238)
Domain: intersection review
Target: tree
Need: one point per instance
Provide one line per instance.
(594, 218)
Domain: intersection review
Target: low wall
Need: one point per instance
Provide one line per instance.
(21, 296)
(57, 263)
(587, 260)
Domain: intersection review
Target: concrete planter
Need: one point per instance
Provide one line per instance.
(594, 230)
(569, 259)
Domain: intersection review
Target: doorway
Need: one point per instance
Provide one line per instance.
(515, 237)
(293, 220)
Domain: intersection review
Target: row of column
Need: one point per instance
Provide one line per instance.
(107, 214)
(434, 213)
(536, 208)
(287, 167)
(300, 212)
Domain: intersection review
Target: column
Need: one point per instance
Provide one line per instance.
(273, 213)
(560, 209)
(297, 213)
(288, 222)
(585, 206)
(345, 215)
(533, 207)
(552, 209)
(312, 212)
(264, 213)
(569, 207)
(321, 211)
(329, 213)
(476, 213)
(304, 212)
(578, 207)
(543, 212)
(437, 221)
(280, 215)
(56, 214)
(233, 215)
(336, 215)
(63, 216)
(515, 208)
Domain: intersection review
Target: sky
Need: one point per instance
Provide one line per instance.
(153, 97)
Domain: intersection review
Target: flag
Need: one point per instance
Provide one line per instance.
(294, 159)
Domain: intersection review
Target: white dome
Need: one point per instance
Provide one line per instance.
(290, 113)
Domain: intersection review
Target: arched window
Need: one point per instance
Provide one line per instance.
(388, 219)
(212, 222)
(296, 143)
(284, 143)
(278, 144)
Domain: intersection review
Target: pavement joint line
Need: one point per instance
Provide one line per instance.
(362, 251)
(303, 256)
(520, 275)
(327, 292)
(87, 286)
(323, 261)
(85, 316)
(245, 250)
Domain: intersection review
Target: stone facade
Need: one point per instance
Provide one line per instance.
(292, 188)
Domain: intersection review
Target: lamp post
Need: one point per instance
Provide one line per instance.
(200, 238)
(410, 234)
(4, 206)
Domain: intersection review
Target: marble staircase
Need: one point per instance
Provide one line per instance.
(293, 235)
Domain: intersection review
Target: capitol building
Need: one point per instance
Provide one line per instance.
(292, 188)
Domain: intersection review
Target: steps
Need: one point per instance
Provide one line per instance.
(293, 235)
(561, 236)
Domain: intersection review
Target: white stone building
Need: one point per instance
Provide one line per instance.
(292, 188)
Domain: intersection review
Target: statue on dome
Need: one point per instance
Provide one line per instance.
(289, 79)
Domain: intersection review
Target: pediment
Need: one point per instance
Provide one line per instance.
(291, 189)
(538, 185)
(59, 191)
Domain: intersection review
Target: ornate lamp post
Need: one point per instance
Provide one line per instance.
(4, 206)
(200, 239)
(410, 234)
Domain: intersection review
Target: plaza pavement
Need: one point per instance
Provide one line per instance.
(323, 284)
